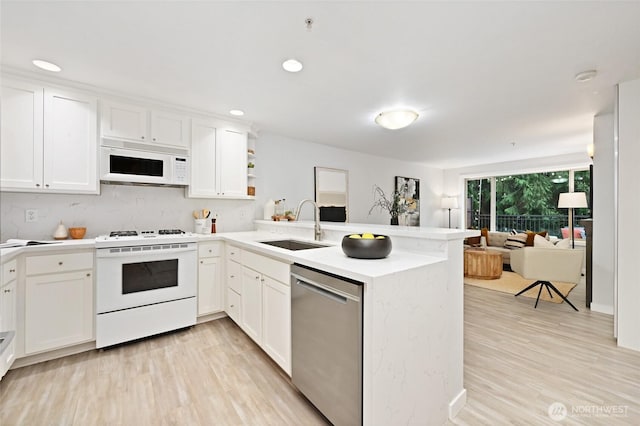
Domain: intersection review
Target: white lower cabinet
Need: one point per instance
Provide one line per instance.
(59, 308)
(8, 318)
(265, 302)
(251, 306)
(276, 328)
(210, 295)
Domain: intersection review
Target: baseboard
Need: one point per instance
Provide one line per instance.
(58, 353)
(603, 309)
(210, 317)
(457, 404)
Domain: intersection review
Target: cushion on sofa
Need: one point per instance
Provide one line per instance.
(531, 235)
(566, 243)
(496, 239)
(516, 241)
(539, 241)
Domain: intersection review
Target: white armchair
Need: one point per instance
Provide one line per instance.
(544, 265)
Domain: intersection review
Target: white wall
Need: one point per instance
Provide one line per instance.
(454, 178)
(285, 169)
(628, 251)
(603, 214)
(118, 207)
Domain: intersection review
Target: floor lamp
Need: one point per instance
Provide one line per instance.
(571, 201)
(449, 203)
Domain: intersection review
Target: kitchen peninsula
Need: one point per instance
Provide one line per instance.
(413, 314)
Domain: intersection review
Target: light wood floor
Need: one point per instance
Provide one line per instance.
(517, 362)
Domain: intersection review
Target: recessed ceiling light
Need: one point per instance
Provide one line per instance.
(584, 76)
(46, 65)
(292, 65)
(237, 112)
(396, 119)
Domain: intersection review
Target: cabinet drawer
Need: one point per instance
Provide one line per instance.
(234, 276)
(209, 249)
(9, 272)
(265, 265)
(233, 305)
(233, 253)
(59, 263)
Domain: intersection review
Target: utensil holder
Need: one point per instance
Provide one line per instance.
(201, 226)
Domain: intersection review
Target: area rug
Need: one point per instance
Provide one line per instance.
(511, 283)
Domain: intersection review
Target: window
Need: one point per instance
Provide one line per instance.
(478, 203)
(524, 202)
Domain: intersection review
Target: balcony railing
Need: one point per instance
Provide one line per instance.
(506, 222)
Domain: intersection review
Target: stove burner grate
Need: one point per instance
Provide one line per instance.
(170, 232)
(123, 234)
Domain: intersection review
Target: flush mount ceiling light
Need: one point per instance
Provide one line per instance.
(46, 65)
(236, 112)
(585, 76)
(292, 65)
(396, 119)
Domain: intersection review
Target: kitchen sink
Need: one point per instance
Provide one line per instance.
(293, 244)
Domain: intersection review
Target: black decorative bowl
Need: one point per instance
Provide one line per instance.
(362, 248)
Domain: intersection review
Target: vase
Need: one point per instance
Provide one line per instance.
(394, 220)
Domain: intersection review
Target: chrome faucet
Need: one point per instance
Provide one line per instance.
(316, 217)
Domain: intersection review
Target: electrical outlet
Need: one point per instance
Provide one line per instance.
(31, 215)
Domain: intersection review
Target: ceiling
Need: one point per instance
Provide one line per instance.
(492, 81)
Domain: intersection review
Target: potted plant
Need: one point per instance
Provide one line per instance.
(394, 205)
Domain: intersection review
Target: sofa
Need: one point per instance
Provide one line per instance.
(504, 242)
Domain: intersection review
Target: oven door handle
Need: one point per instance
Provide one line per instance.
(103, 253)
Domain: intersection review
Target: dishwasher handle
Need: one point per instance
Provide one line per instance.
(322, 292)
(323, 289)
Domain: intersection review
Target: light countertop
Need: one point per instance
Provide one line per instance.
(329, 258)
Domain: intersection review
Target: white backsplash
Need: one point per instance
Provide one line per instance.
(118, 207)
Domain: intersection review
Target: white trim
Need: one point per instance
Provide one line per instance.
(602, 308)
(457, 404)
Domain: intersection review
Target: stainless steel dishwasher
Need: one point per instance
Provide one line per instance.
(326, 343)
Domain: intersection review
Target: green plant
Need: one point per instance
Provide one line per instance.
(394, 205)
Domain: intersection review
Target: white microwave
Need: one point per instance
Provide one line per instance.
(133, 166)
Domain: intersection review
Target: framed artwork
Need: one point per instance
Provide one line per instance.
(332, 194)
(409, 192)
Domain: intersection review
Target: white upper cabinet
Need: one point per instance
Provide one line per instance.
(49, 140)
(70, 142)
(169, 129)
(21, 134)
(140, 124)
(204, 180)
(218, 161)
(122, 121)
(232, 155)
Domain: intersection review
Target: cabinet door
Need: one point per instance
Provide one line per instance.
(58, 310)
(276, 305)
(204, 180)
(21, 135)
(209, 286)
(233, 305)
(8, 307)
(251, 304)
(123, 121)
(169, 129)
(232, 162)
(70, 142)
